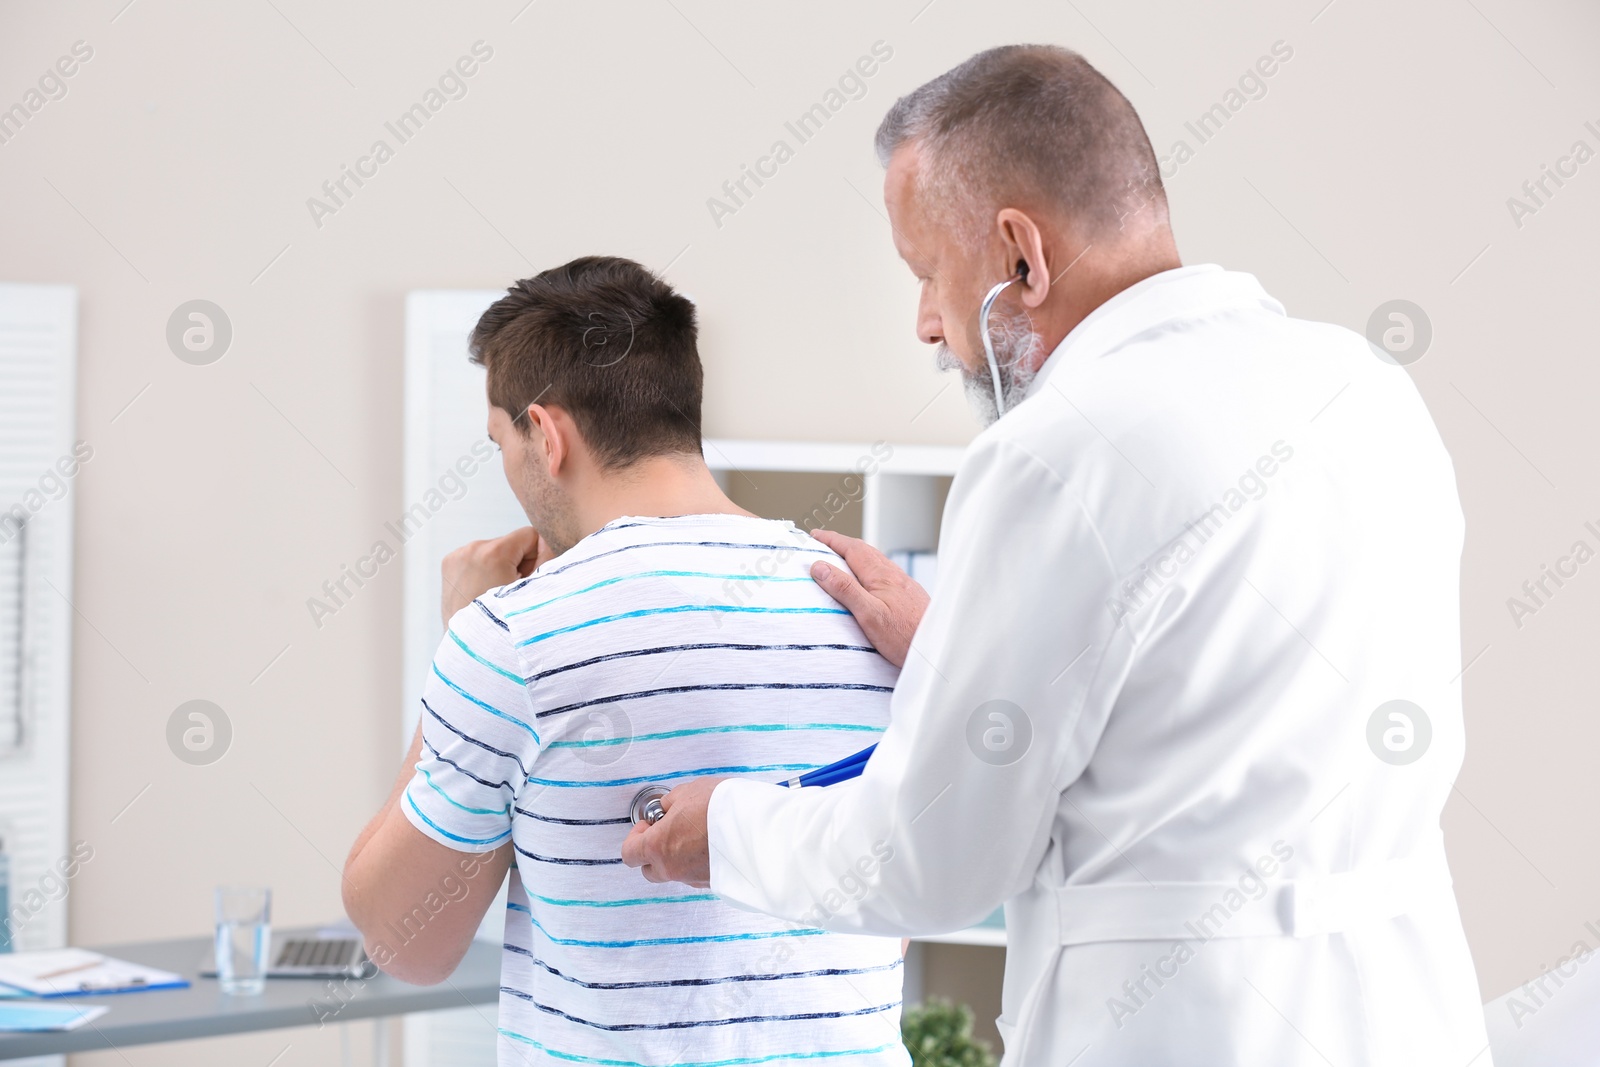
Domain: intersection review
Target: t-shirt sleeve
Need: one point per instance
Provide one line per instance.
(478, 736)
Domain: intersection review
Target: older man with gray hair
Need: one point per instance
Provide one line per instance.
(1187, 698)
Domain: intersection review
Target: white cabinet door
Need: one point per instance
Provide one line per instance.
(39, 464)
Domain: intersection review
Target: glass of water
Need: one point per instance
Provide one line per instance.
(244, 937)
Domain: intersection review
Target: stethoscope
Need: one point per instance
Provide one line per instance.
(646, 806)
(983, 333)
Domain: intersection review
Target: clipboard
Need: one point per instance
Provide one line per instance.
(77, 972)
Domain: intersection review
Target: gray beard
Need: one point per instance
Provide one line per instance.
(1016, 351)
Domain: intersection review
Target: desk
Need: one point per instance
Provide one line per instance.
(202, 1010)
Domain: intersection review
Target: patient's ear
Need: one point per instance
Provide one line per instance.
(550, 433)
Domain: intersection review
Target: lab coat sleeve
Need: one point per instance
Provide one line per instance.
(996, 712)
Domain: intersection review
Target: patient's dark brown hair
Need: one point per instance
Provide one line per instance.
(607, 341)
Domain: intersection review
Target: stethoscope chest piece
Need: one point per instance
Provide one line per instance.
(646, 806)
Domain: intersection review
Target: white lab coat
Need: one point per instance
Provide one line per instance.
(1199, 556)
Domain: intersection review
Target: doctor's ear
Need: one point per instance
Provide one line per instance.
(1034, 285)
(1026, 244)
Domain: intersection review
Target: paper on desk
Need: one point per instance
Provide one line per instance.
(34, 1018)
(70, 972)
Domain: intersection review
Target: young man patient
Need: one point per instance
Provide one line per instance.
(643, 629)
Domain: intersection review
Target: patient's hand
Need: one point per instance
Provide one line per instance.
(477, 567)
(885, 601)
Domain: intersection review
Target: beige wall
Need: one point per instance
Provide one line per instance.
(178, 166)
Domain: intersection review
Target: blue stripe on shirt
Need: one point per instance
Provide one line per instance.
(456, 837)
(493, 667)
(758, 727)
(742, 1061)
(692, 898)
(491, 709)
(659, 574)
(506, 591)
(674, 610)
(701, 939)
(564, 783)
(426, 777)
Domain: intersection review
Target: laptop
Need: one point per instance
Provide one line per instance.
(331, 954)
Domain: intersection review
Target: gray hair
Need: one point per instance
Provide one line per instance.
(1027, 125)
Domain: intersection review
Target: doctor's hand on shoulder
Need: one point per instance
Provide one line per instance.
(479, 566)
(886, 602)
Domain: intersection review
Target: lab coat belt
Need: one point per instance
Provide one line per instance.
(1200, 911)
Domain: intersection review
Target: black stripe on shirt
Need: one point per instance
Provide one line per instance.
(446, 760)
(492, 617)
(862, 687)
(698, 648)
(662, 983)
(689, 1024)
(565, 860)
(512, 756)
(622, 820)
(508, 590)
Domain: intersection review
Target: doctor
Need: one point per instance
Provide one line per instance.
(1187, 698)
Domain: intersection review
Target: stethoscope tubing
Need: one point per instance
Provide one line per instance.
(988, 345)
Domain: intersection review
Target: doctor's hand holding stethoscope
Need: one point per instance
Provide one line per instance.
(668, 841)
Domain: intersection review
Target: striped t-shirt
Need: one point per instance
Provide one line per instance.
(654, 650)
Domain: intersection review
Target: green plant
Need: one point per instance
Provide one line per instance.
(939, 1034)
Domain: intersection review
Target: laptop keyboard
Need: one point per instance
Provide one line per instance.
(317, 952)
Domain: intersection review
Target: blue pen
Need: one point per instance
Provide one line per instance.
(838, 771)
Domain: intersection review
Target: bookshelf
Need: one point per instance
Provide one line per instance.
(890, 495)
